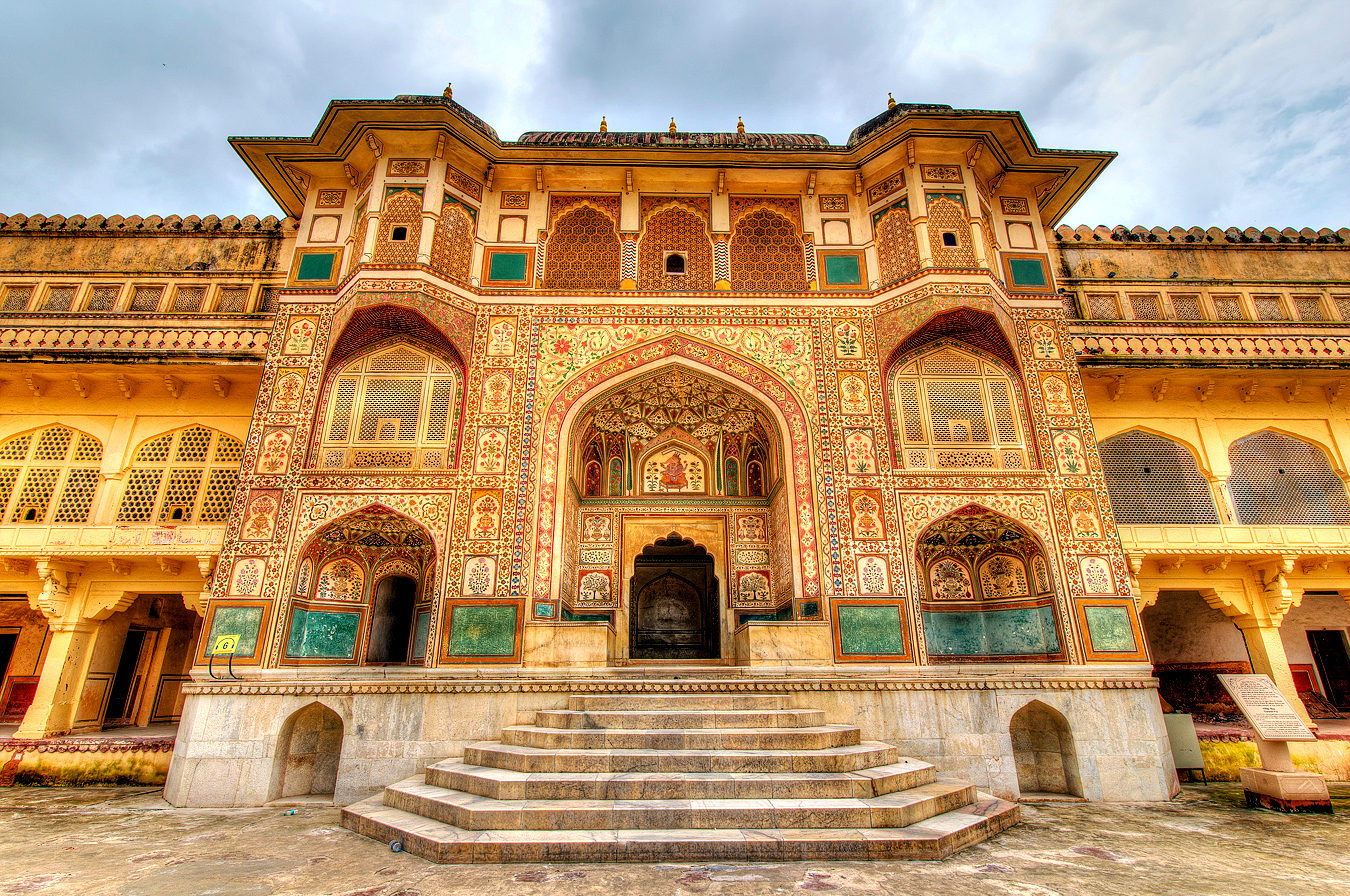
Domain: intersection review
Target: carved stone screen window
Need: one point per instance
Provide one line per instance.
(1154, 481)
(395, 408)
(49, 476)
(957, 411)
(1278, 480)
(185, 476)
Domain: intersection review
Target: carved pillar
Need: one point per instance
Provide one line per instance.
(722, 261)
(628, 260)
(431, 210)
(64, 669)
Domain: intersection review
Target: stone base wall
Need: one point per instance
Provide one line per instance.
(230, 735)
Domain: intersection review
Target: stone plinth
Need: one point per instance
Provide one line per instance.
(1286, 791)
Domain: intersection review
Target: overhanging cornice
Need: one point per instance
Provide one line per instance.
(1063, 175)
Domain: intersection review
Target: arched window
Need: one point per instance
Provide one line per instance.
(897, 250)
(393, 408)
(949, 231)
(767, 253)
(582, 251)
(675, 251)
(452, 246)
(957, 410)
(51, 475)
(1282, 481)
(1155, 481)
(185, 476)
(402, 212)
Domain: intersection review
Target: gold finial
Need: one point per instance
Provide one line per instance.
(604, 125)
(890, 100)
(740, 125)
(448, 92)
(672, 124)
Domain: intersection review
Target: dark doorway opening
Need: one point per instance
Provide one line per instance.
(1333, 665)
(126, 680)
(392, 621)
(8, 640)
(674, 610)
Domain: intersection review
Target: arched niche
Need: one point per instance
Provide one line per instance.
(362, 583)
(1043, 750)
(308, 752)
(987, 594)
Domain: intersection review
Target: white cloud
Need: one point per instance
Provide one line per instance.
(1223, 113)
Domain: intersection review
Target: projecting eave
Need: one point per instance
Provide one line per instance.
(1005, 147)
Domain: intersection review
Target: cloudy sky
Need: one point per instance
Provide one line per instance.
(1224, 113)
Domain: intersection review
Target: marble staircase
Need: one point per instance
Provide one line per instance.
(671, 777)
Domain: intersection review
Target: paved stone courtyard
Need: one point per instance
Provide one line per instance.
(96, 841)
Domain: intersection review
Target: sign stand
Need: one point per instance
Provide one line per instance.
(1274, 724)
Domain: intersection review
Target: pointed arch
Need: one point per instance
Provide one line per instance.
(582, 250)
(675, 227)
(1155, 480)
(1282, 480)
(767, 254)
(955, 406)
(401, 214)
(187, 475)
(452, 245)
(396, 403)
(897, 249)
(560, 416)
(1044, 751)
(308, 752)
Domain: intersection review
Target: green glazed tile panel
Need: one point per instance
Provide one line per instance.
(242, 621)
(870, 630)
(508, 266)
(1110, 629)
(320, 634)
(1012, 632)
(1027, 272)
(316, 266)
(843, 270)
(483, 630)
(420, 631)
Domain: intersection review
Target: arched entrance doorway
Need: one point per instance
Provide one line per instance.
(674, 610)
(676, 449)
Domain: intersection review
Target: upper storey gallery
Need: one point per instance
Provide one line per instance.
(419, 183)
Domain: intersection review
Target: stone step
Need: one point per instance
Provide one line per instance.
(934, 838)
(687, 719)
(850, 758)
(479, 813)
(505, 784)
(659, 702)
(815, 737)
(530, 758)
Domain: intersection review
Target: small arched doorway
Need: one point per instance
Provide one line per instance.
(1047, 764)
(308, 751)
(391, 623)
(675, 606)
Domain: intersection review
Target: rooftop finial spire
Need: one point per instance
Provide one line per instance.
(740, 125)
(604, 125)
(890, 100)
(672, 124)
(448, 92)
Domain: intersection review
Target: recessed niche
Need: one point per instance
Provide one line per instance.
(324, 229)
(511, 230)
(836, 233)
(674, 263)
(398, 234)
(1020, 235)
(949, 238)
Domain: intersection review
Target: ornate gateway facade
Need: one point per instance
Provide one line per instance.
(483, 424)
